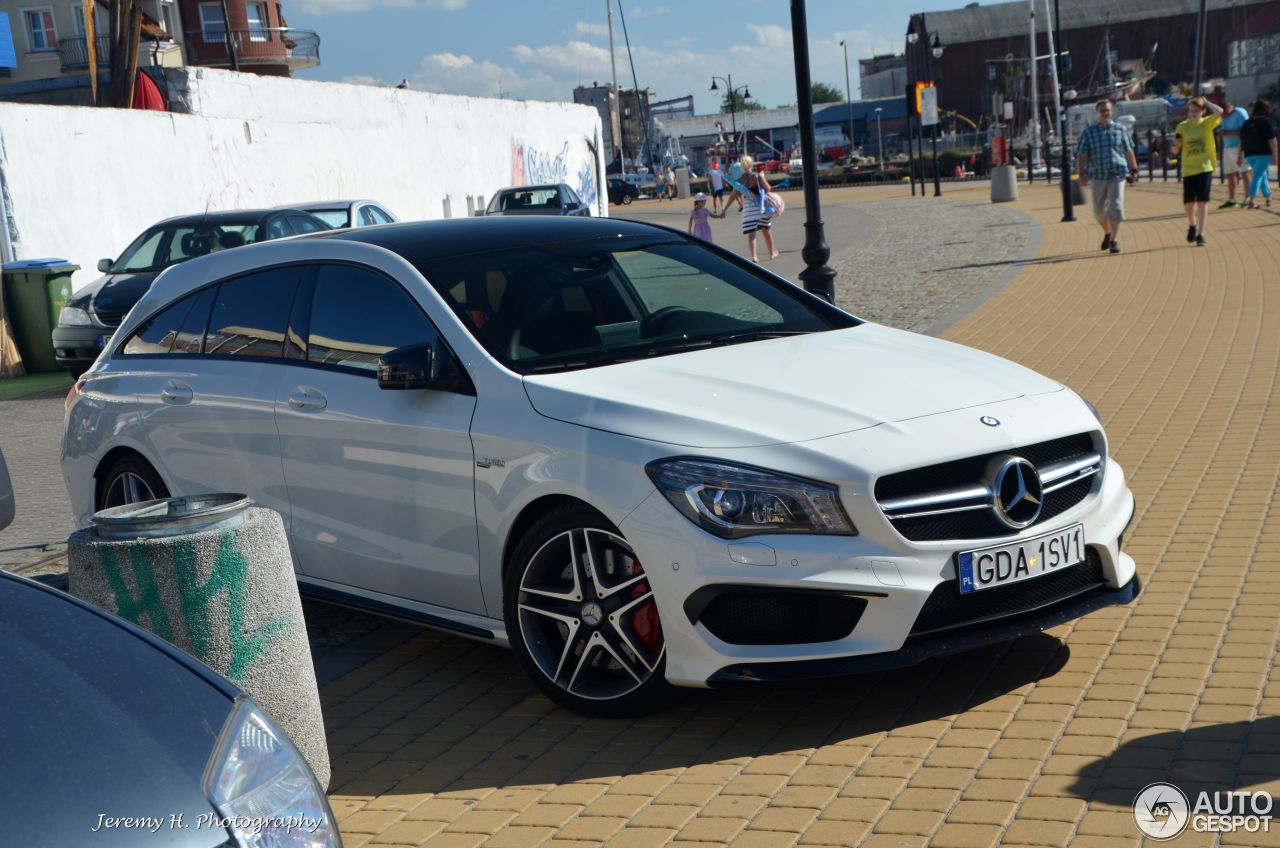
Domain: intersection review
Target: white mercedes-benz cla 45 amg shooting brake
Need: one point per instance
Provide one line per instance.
(637, 459)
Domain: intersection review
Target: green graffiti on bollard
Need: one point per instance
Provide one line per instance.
(229, 571)
(148, 601)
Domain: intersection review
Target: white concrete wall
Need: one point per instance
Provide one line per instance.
(82, 183)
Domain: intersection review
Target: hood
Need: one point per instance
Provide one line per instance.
(114, 294)
(783, 390)
(99, 720)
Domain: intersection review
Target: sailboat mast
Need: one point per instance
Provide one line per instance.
(1035, 90)
(616, 110)
(1053, 60)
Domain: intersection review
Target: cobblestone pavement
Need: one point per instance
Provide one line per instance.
(30, 434)
(1044, 741)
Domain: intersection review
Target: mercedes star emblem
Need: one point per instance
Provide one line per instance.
(1017, 493)
(989, 421)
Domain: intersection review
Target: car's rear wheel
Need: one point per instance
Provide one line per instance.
(130, 480)
(582, 618)
(626, 199)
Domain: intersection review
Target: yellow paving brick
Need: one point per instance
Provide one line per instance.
(574, 793)
(519, 837)
(481, 821)
(854, 809)
(1051, 809)
(709, 829)
(592, 828)
(514, 800)
(982, 812)
(546, 815)
(407, 832)
(834, 833)
(616, 805)
(640, 837)
(792, 819)
(1032, 832)
(369, 821)
(735, 806)
(965, 836)
(910, 822)
(668, 816)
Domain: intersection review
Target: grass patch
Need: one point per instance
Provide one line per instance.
(34, 384)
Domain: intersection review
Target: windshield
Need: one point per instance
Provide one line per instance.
(336, 218)
(544, 197)
(161, 247)
(579, 305)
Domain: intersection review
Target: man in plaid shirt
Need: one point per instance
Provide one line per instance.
(1105, 156)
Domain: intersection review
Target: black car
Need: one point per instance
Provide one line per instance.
(92, 314)
(621, 191)
(124, 740)
(549, 199)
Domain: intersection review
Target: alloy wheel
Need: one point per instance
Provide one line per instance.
(587, 615)
(127, 488)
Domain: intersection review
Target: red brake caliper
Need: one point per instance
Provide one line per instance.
(645, 619)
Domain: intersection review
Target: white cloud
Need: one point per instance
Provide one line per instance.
(363, 79)
(771, 35)
(576, 56)
(641, 12)
(325, 7)
(448, 61)
(584, 28)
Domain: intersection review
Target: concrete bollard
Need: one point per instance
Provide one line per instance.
(682, 184)
(214, 577)
(1004, 183)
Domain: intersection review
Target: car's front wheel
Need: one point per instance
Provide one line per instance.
(582, 618)
(130, 479)
(626, 199)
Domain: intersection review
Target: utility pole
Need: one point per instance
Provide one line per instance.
(848, 95)
(1064, 166)
(1201, 26)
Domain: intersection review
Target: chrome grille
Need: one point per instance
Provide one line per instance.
(953, 501)
(109, 319)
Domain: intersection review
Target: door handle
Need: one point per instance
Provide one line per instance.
(176, 393)
(304, 399)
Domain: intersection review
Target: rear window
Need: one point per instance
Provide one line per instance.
(514, 201)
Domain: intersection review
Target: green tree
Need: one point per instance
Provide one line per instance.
(735, 102)
(823, 93)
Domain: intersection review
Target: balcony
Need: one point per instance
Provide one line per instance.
(257, 46)
(74, 53)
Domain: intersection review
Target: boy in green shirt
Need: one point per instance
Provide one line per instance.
(1193, 141)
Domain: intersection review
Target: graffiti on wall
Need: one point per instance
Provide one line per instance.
(575, 167)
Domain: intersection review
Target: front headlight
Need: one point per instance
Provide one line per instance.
(73, 316)
(732, 501)
(263, 789)
(1092, 408)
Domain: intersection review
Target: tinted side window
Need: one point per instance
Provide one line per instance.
(379, 215)
(277, 228)
(357, 315)
(302, 224)
(191, 333)
(156, 335)
(250, 314)
(366, 217)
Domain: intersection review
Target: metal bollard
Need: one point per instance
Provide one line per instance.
(1164, 155)
(1151, 152)
(214, 577)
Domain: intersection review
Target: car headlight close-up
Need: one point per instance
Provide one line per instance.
(733, 501)
(74, 316)
(263, 788)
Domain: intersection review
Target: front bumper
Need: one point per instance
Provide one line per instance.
(920, 648)
(891, 579)
(78, 347)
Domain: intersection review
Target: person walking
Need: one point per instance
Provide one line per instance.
(671, 183)
(717, 184)
(735, 174)
(1258, 140)
(660, 183)
(756, 217)
(699, 218)
(1193, 141)
(1104, 155)
(1233, 161)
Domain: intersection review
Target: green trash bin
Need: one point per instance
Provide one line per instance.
(35, 290)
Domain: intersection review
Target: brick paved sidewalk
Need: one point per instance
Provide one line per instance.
(443, 742)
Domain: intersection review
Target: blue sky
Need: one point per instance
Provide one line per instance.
(538, 50)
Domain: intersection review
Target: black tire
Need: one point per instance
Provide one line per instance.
(626, 199)
(588, 634)
(130, 479)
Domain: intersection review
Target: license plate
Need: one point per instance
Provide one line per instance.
(1004, 564)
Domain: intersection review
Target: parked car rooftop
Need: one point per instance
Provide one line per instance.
(458, 236)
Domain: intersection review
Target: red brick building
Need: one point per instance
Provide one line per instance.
(250, 35)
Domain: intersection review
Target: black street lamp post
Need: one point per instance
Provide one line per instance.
(817, 277)
(936, 53)
(1064, 168)
(733, 104)
(912, 38)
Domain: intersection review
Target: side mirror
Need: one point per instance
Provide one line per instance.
(104, 265)
(417, 366)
